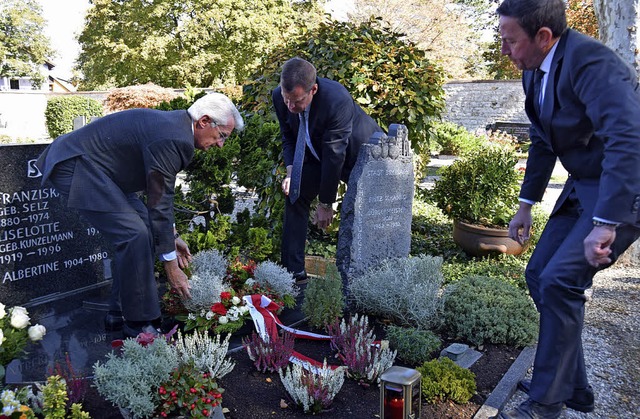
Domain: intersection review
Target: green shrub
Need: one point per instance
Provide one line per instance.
(61, 110)
(506, 268)
(479, 188)
(483, 310)
(414, 346)
(442, 379)
(323, 299)
(452, 139)
(405, 290)
(431, 231)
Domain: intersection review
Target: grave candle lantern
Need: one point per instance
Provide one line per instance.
(400, 393)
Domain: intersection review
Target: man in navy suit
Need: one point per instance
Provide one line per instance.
(101, 169)
(335, 128)
(586, 113)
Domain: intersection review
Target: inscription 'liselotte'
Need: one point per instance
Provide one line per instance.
(25, 232)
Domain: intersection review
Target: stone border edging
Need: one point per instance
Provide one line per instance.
(507, 385)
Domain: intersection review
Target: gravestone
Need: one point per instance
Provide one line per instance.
(517, 129)
(47, 251)
(375, 222)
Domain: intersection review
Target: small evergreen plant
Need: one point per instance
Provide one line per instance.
(323, 299)
(442, 379)
(414, 346)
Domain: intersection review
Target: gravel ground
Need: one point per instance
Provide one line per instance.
(611, 341)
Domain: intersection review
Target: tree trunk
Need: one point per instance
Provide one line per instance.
(618, 24)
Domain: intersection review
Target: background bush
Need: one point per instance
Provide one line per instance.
(431, 231)
(453, 139)
(483, 310)
(414, 346)
(61, 110)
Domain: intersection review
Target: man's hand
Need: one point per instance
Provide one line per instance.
(520, 225)
(177, 279)
(323, 216)
(287, 180)
(597, 245)
(183, 253)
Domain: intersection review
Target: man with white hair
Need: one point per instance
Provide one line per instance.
(102, 168)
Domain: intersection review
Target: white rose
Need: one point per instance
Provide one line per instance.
(235, 300)
(2, 311)
(223, 320)
(19, 317)
(244, 309)
(209, 315)
(37, 332)
(1, 337)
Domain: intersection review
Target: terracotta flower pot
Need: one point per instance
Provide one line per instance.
(477, 240)
(317, 265)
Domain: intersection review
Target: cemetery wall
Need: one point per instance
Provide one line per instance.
(472, 104)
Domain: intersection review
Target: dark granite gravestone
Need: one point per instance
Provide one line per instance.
(517, 129)
(47, 251)
(375, 220)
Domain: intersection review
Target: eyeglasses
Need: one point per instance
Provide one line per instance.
(222, 135)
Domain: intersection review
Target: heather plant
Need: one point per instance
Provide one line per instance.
(405, 291)
(269, 355)
(482, 310)
(442, 379)
(275, 277)
(77, 384)
(414, 346)
(204, 353)
(356, 344)
(323, 299)
(313, 388)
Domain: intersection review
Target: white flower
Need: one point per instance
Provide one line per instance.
(244, 309)
(37, 332)
(209, 315)
(2, 311)
(19, 317)
(249, 282)
(223, 320)
(1, 337)
(191, 316)
(235, 300)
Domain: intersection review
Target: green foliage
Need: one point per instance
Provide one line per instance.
(174, 43)
(443, 380)
(499, 66)
(506, 268)
(483, 310)
(405, 290)
(23, 46)
(452, 139)
(55, 398)
(323, 299)
(480, 188)
(61, 110)
(431, 231)
(414, 346)
(390, 78)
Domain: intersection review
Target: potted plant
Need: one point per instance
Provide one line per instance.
(479, 192)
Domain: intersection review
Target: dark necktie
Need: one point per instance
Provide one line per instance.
(298, 159)
(537, 86)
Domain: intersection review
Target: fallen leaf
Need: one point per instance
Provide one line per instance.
(268, 380)
(283, 404)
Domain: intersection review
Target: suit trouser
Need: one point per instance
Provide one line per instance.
(296, 218)
(557, 276)
(130, 234)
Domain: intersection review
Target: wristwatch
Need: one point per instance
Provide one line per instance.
(598, 223)
(176, 235)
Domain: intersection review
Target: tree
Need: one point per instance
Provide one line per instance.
(618, 20)
(174, 43)
(440, 27)
(23, 47)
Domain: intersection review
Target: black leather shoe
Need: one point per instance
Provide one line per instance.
(132, 330)
(533, 410)
(301, 278)
(113, 321)
(582, 400)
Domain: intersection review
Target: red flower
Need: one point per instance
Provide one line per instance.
(219, 308)
(225, 295)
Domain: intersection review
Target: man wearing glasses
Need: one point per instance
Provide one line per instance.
(322, 129)
(102, 167)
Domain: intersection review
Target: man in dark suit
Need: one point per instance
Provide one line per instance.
(586, 113)
(333, 130)
(102, 167)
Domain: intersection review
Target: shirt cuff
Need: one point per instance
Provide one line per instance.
(527, 201)
(166, 257)
(604, 220)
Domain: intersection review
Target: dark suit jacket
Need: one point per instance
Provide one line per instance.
(337, 127)
(590, 120)
(122, 153)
